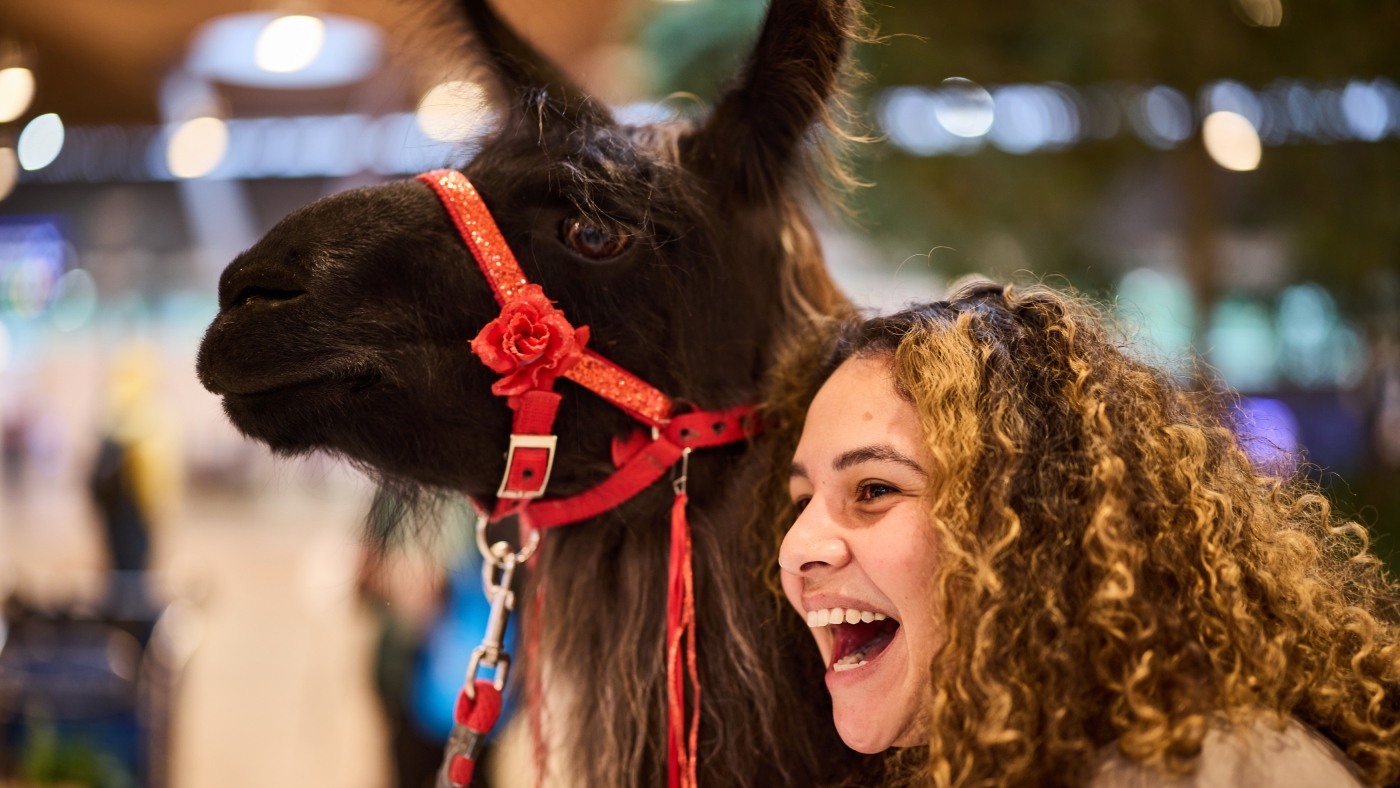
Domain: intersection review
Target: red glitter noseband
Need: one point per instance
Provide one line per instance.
(531, 344)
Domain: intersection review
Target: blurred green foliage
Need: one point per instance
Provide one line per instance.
(695, 47)
(1339, 203)
(45, 758)
(1336, 207)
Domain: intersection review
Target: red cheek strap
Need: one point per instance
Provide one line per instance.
(530, 456)
(641, 461)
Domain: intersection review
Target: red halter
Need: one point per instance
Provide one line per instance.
(530, 344)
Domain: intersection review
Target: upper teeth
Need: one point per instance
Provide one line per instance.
(837, 615)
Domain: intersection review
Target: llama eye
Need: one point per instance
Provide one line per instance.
(593, 240)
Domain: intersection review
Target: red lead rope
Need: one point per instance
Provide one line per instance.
(531, 344)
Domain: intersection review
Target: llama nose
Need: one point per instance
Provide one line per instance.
(257, 282)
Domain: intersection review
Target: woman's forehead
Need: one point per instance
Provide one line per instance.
(858, 406)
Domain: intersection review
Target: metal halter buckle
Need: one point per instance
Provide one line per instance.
(496, 558)
(547, 442)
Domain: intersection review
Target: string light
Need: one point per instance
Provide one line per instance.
(74, 300)
(196, 147)
(16, 91)
(1262, 13)
(964, 107)
(40, 142)
(9, 171)
(452, 111)
(1032, 118)
(289, 43)
(1232, 141)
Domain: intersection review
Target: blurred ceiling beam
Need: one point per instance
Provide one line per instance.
(102, 62)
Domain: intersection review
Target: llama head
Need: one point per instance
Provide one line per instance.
(348, 326)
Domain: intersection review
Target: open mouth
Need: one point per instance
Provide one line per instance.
(859, 636)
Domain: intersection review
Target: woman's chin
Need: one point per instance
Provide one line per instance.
(867, 702)
(862, 742)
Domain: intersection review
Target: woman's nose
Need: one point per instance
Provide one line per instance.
(813, 544)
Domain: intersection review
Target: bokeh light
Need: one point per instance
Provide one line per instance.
(1227, 95)
(643, 113)
(1232, 141)
(1161, 116)
(226, 49)
(1366, 110)
(16, 91)
(40, 142)
(1304, 115)
(1032, 118)
(74, 300)
(964, 107)
(33, 254)
(1267, 430)
(453, 111)
(9, 171)
(1263, 13)
(1051, 116)
(196, 147)
(28, 286)
(1160, 309)
(1242, 345)
(1316, 349)
(289, 43)
(909, 115)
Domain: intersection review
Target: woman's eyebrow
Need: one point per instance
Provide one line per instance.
(798, 471)
(879, 453)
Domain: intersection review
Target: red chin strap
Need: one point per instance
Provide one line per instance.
(531, 344)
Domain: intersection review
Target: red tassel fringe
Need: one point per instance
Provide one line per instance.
(680, 623)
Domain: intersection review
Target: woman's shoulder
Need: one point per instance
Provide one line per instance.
(1289, 756)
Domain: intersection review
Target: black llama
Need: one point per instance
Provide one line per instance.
(348, 328)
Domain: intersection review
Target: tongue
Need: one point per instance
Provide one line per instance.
(872, 638)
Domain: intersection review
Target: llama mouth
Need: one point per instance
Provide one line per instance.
(273, 390)
(859, 636)
(355, 383)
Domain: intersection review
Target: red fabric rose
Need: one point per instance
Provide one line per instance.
(530, 344)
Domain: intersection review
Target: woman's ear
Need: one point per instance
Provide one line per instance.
(749, 142)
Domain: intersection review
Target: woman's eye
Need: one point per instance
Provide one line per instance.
(592, 239)
(800, 505)
(872, 490)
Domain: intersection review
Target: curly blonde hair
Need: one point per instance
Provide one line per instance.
(1114, 569)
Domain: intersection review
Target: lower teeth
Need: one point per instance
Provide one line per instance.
(849, 662)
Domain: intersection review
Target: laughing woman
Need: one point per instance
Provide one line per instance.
(1030, 559)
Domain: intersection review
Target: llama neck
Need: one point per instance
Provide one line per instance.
(607, 575)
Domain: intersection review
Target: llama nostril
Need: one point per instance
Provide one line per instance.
(259, 282)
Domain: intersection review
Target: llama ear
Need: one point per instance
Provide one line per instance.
(529, 81)
(751, 140)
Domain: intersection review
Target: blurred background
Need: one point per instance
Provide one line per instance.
(185, 610)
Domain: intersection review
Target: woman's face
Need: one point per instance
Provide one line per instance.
(859, 560)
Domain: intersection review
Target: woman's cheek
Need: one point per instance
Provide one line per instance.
(910, 563)
(900, 556)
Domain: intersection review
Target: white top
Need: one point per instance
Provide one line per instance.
(1264, 756)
